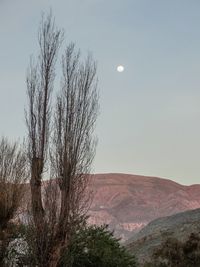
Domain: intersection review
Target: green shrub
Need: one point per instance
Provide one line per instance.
(96, 246)
(91, 246)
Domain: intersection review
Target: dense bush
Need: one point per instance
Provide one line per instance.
(96, 246)
(92, 246)
(177, 254)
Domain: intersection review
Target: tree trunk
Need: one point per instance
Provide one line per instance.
(36, 192)
(55, 255)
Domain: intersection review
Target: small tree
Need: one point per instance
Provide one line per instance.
(59, 211)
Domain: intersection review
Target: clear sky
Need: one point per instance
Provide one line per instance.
(150, 114)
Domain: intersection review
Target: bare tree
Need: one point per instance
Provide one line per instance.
(73, 142)
(61, 207)
(40, 80)
(13, 175)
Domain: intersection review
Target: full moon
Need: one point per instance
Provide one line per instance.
(120, 68)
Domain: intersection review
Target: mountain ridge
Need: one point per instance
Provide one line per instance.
(129, 202)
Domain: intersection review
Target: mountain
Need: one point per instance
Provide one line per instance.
(178, 226)
(129, 202)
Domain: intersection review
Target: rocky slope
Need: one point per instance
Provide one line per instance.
(129, 202)
(180, 226)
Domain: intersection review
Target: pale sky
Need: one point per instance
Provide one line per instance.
(150, 114)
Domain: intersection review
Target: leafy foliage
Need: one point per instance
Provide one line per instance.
(91, 246)
(96, 246)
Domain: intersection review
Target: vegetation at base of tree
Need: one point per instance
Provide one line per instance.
(174, 253)
(96, 246)
(91, 246)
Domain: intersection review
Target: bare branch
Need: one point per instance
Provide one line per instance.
(74, 144)
(61, 207)
(13, 175)
(40, 80)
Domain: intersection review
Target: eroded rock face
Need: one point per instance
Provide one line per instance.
(129, 202)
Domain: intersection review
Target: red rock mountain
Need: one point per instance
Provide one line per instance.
(128, 202)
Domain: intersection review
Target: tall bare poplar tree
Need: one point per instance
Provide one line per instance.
(71, 146)
(73, 142)
(40, 80)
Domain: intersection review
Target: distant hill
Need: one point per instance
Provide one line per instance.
(180, 226)
(129, 202)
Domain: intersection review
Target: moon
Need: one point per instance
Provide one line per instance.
(120, 68)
